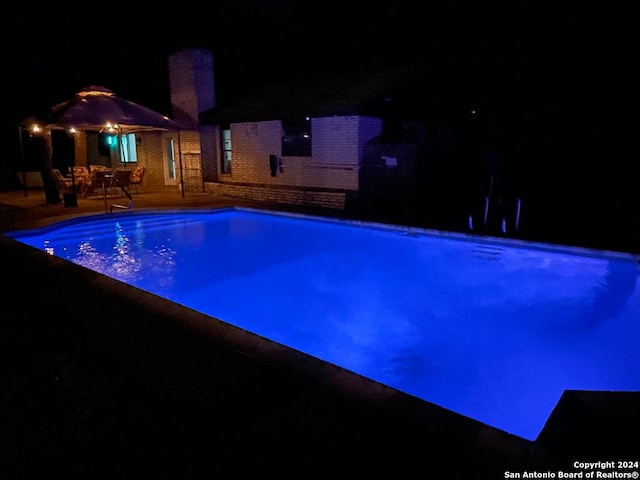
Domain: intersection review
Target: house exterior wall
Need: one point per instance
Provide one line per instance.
(188, 161)
(92, 150)
(86, 151)
(150, 155)
(209, 152)
(328, 178)
(80, 148)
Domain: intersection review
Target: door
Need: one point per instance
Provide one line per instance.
(170, 163)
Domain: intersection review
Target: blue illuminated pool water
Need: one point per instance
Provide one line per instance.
(492, 330)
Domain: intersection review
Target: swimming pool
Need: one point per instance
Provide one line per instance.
(490, 329)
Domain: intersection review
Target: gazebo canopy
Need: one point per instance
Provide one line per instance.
(98, 108)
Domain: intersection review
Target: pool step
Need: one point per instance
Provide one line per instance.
(491, 253)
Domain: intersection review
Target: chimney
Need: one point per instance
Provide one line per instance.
(191, 84)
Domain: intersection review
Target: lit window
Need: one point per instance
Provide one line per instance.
(128, 150)
(226, 149)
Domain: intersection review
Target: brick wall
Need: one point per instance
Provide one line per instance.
(192, 172)
(189, 147)
(150, 156)
(324, 179)
(290, 196)
(192, 85)
(80, 147)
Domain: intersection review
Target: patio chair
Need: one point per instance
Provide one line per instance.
(121, 181)
(82, 178)
(63, 184)
(101, 182)
(65, 188)
(136, 178)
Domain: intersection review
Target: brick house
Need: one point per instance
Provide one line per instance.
(344, 141)
(376, 140)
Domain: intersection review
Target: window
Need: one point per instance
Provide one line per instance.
(226, 149)
(108, 142)
(171, 161)
(128, 150)
(296, 140)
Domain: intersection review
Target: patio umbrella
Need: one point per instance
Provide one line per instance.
(96, 108)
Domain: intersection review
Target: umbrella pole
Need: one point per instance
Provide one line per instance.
(73, 169)
(119, 137)
(180, 163)
(73, 179)
(22, 160)
(120, 147)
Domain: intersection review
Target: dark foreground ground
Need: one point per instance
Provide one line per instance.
(99, 380)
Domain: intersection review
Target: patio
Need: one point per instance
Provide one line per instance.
(31, 211)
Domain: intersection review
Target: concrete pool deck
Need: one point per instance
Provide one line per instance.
(102, 380)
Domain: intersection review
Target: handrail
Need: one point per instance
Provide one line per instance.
(115, 205)
(124, 207)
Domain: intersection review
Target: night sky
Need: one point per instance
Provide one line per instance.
(555, 79)
(517, 55)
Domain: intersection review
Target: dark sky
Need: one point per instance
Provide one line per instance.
(63, 49)
(568, 64)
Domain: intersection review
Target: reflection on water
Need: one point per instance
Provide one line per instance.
(127, 260)
(494, 332)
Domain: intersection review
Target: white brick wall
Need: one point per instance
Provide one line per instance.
(322, 179)
(337, 146)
